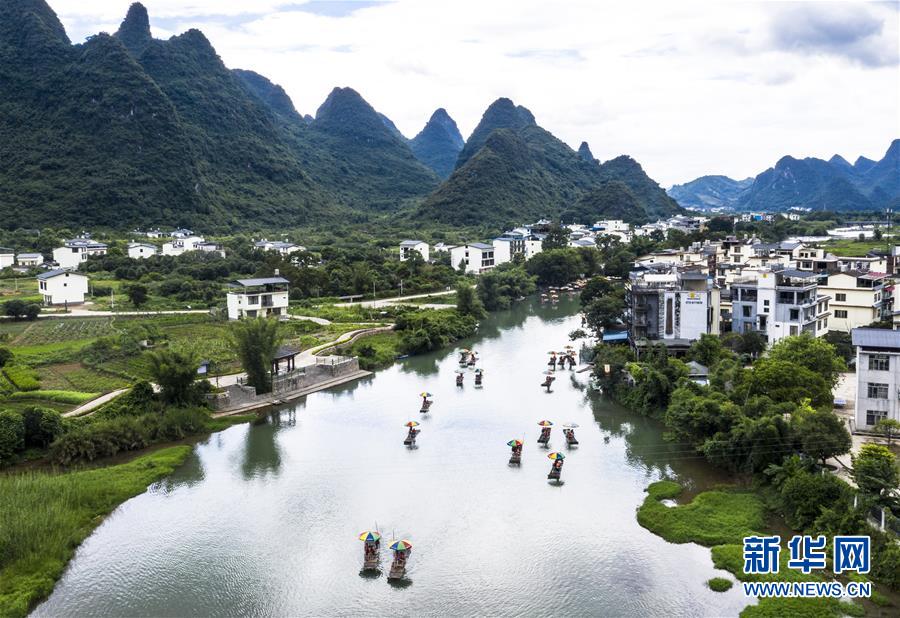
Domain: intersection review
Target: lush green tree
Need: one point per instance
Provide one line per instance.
(595, 288)
(810, 352)
(498, 287)
(789, 467)
(175, 373)
(653, 382)
(137, 294)
(42, 426)
(12, 435)
(6, 356)
(255, 342)
(609, 366)
(822, 433)
(557, 238)
(19, 309)
(467, 301)
(707, 350)
(889, 427)
(605, 312)
(805, 495)
(751, 343)
(875, 471)
(555, 267)
(618, 262)
(695, 414)
(751, 445)
(787, 381)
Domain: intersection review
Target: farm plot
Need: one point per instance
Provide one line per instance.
(77, 377)
(63, 330)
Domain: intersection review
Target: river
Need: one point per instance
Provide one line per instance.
(263, 520)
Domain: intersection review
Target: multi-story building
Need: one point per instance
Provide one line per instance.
(408, 246)
(7, 257)
(263, 297)
(857, 298)
(877, 375)
(673, 307)
(815, 259)
(476, 257)
(182, 244)
(141, 250)
(778, 304)
(62, 287)
(76, 251)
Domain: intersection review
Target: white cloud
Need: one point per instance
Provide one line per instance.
(687, 88)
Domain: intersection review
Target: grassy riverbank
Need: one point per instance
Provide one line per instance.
(44, 517)
(720, 519)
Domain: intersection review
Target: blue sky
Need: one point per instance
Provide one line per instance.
(687, 88)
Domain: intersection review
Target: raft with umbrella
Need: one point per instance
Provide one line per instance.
(516, 458)
(548, 380)
(479, 376)
(544, 438)
(402, 549)
(464, 356)
(472, 359)
(569, 432)
(413, 432)
(459, 377)
(556, 470)
(426, 402)
(371, 550)
(552, 361)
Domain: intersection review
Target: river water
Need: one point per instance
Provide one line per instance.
(263, 520)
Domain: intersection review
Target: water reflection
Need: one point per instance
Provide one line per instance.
(262, 455)
(189, 474)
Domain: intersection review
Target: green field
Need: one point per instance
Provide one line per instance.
(851, 247)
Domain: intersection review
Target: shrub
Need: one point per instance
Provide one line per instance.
(42, 426)
(719, 584)
(69, 397)
(23, 378)
(6, 356)
(12, 435)
(806, 494)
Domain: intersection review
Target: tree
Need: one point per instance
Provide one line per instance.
(12, 435)
(557, 238)
(467, 302)
(595, 288)
(604, 312)
(175, 373)
(556, 266)
(255, 342)
(19, 309)
(694, 415)
(814, 353)
(890, 427)
(6, 356)
(498, 287)
(786, 381)
(805, 495)
(707, 350)
(42, 426)
(137, 294)
(875, 471)
(821, 433)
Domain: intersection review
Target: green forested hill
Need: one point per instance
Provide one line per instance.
(522, 172)
(439, 143)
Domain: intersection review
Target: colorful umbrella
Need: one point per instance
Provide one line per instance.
(546, 423)
(571, 425)
(403, 545)
(479, 371)
(514, 443)
(549, 373)
(555, 456)
(425, 394)
(411, 424)
(553, 353)
(369, 536)
(460, 371)
(466, 350)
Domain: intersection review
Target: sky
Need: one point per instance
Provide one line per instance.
(686, 87)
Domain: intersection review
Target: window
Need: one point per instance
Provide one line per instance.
(841, 298)
(879, 362)
(877, 391)
(795, 314)
(794, 331)
(873, 416)
(746, 310)
(765, 303)
(840, 313)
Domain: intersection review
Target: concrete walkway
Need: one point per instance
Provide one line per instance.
(95, 403)
(398, 300)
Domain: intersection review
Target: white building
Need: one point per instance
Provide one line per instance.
(76, 251)
(877, 375)
(476, 257)
(408, 246)
(210, 247)
(858, 298)
(442, 247)
(7, 257)
(62, 287)
(30, 260)
(251, 298)
(182, 245)
(182, 233)
(141, 250)
(282, 247)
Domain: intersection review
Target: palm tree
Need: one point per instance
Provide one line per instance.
(255, 342)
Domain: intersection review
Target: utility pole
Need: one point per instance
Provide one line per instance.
(401, 287)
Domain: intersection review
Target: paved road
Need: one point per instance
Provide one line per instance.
(384, 302)
(95, 403)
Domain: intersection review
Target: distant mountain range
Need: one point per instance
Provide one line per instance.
(834, 185)
(128, 130)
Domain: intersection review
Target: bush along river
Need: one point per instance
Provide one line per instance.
(263, 519)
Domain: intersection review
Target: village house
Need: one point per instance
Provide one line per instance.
(7, 257)
(182, 245)
(141, 250)
(62, 287)
(182, 233)
(475, 258)
(262, 297)
(408, 246)
(281, 247)
(857, 298)
(76, 251)
(877, 375)
(30, 260)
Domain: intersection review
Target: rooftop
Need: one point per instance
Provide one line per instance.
(481, 245)
(50, 274)
(250, 283)
(411, 243)
(876, 338)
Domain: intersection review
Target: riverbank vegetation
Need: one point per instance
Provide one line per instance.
(45, 516)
